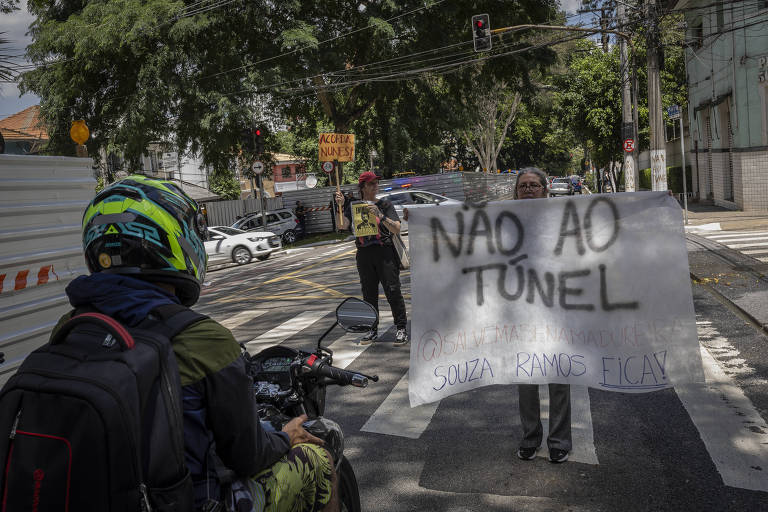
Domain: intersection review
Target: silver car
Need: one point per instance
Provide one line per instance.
(413, 199)
(280, 222)
(561, 186)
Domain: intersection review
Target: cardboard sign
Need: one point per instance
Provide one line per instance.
(592, 290)
(337, 146)
(363, 222)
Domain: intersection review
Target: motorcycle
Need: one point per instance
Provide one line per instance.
(288, 383)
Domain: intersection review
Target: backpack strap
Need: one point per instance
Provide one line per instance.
(171, 319)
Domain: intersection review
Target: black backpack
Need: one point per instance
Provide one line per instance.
(92, 421)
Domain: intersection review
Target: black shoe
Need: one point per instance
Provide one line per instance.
(527, 453)
(370, 337)
(401, 338)
(557, 455)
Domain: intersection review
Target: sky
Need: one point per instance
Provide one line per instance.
(15, 26)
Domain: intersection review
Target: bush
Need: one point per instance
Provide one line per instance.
(674, 179)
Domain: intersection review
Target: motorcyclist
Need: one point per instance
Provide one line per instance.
(143, 242)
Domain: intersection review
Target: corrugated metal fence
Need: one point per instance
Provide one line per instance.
(458, 185)
(42, 200)
(224, 213)
(474, 186)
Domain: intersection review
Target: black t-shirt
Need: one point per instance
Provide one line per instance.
(385, 236)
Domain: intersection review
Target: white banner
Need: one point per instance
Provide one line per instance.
(593, 290)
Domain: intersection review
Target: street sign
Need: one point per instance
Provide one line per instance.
(337, 146)
(258, 167)
(311, 181)
(327, 167)
(629, 145)
(673, 112)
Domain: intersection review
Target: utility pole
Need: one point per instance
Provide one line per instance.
(627, 120)
(655, 117)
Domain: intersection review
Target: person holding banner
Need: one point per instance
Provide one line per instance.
(376, 258)
(532, 184)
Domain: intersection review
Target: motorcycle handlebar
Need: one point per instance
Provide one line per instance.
(343, 377)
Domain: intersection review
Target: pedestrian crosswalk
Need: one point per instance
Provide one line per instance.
(751, 243)
(732, 430)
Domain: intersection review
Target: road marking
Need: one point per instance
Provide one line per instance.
(287, 329)
(582, 431)
(741, 239)
(736, 234)
(742, 246)
(395, 416)
(755, 251)
(735, 435)
(763, 259)
(324, 262)
(318, 287)
(347, 348)
(239, 319)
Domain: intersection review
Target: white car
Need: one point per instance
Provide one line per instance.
(407, 198)
(226, 244)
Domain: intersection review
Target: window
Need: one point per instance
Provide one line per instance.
(404, 198)
(697, 34)
(272, 218)
(421, 198)
(286, 173)
(720, 15)
(284, 215)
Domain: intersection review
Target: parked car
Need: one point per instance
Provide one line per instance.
(226, 244)
(413, 199)
(280, 222)
(561, 186)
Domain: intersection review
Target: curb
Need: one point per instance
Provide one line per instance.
(739, 266)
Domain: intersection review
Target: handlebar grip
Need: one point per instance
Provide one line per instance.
(343, 377)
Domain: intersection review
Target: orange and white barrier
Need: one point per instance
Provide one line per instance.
(21, 279)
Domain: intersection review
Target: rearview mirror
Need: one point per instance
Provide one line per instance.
(355, 315)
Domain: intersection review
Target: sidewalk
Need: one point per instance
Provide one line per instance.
(699, 214)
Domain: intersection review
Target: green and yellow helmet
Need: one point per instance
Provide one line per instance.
(149, 229)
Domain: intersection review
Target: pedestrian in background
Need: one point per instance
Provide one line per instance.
(376, 258)
(532, 184)
(301, 216)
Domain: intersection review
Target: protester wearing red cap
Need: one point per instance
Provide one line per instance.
(376, 258)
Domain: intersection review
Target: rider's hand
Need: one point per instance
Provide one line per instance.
(298, 435)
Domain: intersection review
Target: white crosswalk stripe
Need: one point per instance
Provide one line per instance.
(750, 243)
(239, 319)
(285, 330)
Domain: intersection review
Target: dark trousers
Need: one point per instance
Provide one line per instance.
(378, 264)
(559, 416)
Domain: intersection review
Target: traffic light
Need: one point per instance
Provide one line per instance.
(481, 32)
(258, 137)
(246, 140)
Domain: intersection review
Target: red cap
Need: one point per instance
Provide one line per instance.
(367, 176)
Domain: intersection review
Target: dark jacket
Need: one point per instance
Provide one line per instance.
(219, 408)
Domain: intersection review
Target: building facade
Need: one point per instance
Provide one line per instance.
(727, 68)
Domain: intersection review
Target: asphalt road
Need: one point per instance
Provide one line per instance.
(702, 448)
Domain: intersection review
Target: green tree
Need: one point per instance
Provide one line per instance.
(223, 183)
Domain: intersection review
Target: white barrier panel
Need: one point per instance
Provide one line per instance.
(592, 290)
